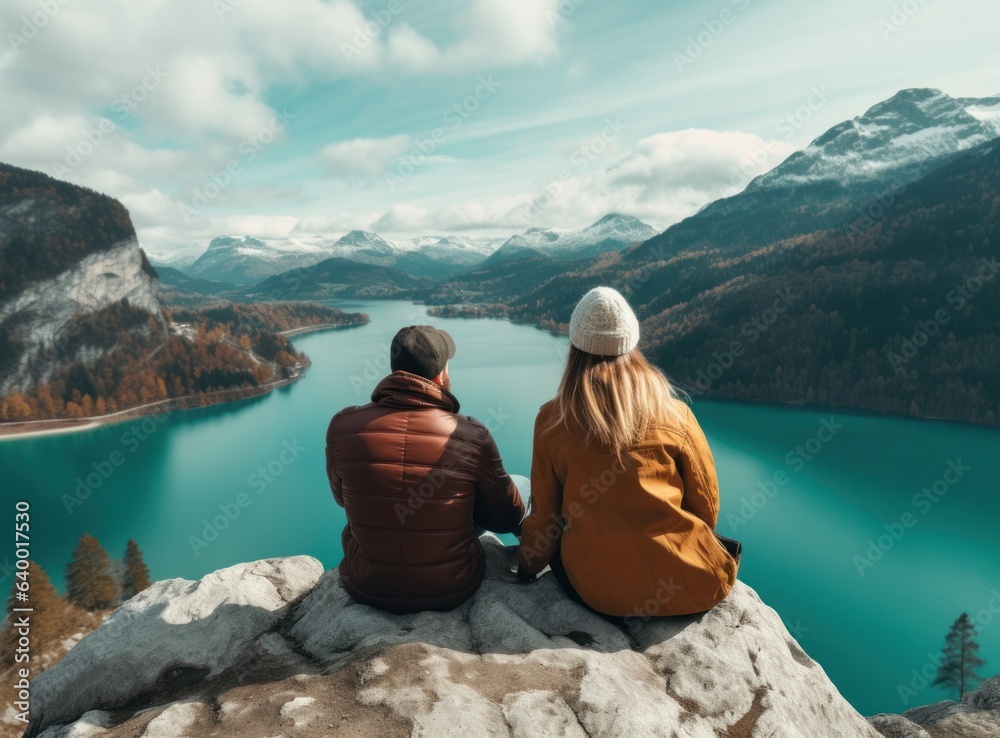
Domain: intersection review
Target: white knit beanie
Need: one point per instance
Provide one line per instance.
(603, 323)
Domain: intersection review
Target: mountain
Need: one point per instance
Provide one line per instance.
(175, 278)
(898, 317)
(277, 647)
(247, 260)
(69, 261)
(83, 333)
(900, 137)
(180, 257)
(843, 178)
(808, 293)
(613, 232)
(443, 256)
(244, 260)
(491, 287)
(336, 277)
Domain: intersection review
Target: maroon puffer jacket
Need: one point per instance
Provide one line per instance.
(413, 476)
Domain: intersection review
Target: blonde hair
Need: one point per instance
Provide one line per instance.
(611, 401)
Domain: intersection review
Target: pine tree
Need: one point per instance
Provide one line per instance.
(89, 583)
(49, 616)
(957, 669)
(135, 573)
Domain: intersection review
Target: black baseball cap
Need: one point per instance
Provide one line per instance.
(421, 349)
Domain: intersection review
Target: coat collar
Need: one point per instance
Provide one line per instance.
(404, 390)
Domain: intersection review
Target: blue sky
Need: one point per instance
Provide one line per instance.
(327, 112)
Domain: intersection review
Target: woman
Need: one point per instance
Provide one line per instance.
(624, 492)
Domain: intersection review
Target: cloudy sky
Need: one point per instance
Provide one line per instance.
(314, 117)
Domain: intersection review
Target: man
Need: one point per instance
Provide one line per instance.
(416, 479)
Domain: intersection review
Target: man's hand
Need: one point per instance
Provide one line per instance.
(525, 576)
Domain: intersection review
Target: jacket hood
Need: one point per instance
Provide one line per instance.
(402, 389)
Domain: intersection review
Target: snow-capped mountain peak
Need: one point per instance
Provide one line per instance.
(613, 232)
(363, 240)
(898, 138)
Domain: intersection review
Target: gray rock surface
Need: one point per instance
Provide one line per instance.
(174, 634)
(515, 660)
(897, 726)
(43, 311)
(976, 716)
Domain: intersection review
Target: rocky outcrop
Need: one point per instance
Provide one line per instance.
(175, 635)
(42, 314)
(976, 716)
(277, 647)
(68, 255)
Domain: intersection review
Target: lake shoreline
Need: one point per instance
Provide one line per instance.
(838, 409)
(320, 327)
(468, 313)
(60, 426)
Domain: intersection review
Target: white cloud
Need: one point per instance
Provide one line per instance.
(667, 177)
(363, 156)
(218, 65)
(260, 226)
(692, 167)
(578, 71)
(492, 33)
(407, 218)
(184, 83)
(330, 225)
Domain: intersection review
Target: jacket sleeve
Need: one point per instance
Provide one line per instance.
(498, 506)
(331, 466)
(543, 527)
(697, 468)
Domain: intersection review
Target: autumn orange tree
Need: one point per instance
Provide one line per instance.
(50, 614)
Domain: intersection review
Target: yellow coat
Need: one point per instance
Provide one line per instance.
(635, 539)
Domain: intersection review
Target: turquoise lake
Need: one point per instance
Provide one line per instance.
(866, 569)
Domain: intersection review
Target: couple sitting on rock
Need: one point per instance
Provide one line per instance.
(624, 496)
